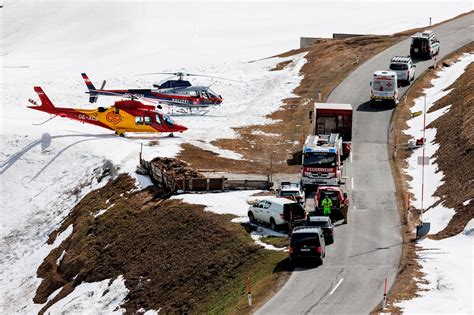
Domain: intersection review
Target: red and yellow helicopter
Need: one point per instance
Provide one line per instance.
(179, 93)
(123, 116)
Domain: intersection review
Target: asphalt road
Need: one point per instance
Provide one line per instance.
(368, 249)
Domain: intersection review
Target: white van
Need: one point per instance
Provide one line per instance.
(404, 68)
(384, 87)
(276, 212)
(424, 45)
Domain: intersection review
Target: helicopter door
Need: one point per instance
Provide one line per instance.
(158, 120)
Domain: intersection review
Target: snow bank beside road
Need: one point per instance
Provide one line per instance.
(448, 268)
(446, 263)
(439, 215)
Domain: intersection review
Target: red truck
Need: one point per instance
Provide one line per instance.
(330, 118)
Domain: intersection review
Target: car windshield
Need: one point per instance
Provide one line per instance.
(320, 159)
(383, 85)
(168, 120)
(318, 223)
(289, 193)
(398, 66)
(307, 238)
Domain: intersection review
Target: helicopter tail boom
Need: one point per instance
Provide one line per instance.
(46, 104)
(92, 90)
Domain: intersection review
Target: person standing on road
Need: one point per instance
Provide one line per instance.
(345, 208)
(327, 205)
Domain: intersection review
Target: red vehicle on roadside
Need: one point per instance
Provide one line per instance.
(339, 200)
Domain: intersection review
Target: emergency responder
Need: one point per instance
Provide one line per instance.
(345, 208)
(327, 205)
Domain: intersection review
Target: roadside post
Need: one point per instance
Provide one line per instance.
(430, 21)
(384, 304)
(249, 294)
(423, 228)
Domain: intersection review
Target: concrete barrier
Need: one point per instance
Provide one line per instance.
(344, 35)
(308, 41)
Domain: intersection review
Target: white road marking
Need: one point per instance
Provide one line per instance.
(350, 156)
(352, 183)
(337, 285)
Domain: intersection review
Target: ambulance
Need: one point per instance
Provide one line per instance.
(384, 87)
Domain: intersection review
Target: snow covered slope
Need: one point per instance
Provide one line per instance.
(447, 263)
(45, 170)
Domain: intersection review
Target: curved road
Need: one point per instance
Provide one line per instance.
(368, 249)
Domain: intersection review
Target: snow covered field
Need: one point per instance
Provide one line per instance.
(447, 263)
(45, 170)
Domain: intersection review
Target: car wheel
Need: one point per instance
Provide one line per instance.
(273, 225)
(251, 217)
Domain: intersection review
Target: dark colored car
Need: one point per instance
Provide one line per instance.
(326, 225)
(307, 242)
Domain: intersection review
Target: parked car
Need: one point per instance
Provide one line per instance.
(404, 68)
(292, 191)
(325, 223)
(424, 45)
(307, 242)
(276, 212)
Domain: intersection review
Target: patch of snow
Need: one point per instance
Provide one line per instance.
(465, 203)
(262, 232)
(438, 216)
(60, 258)
(53, 295)
(142, 181)
(96, 297)
(448, 268)
(233, 202)
(265, 134)
(102, 211)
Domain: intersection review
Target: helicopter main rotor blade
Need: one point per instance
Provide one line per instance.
(182, 74)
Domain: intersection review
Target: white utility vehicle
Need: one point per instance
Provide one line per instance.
(277, 212)
(292, 191)
(404, 68)
(424, 45)
(384, 87)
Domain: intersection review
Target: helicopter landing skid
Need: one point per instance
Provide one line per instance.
(188, 111)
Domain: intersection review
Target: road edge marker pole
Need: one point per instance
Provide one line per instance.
(249, 294)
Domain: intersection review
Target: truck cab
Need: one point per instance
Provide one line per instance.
(321, 162)
(384, 87)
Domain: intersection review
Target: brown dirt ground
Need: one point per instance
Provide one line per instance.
(173, 255)
(405, 286)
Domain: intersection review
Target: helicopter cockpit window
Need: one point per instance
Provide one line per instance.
(204, 94)
(138, 120)
(168, 120)
(193, 94)
(147, 120)
(158, 120)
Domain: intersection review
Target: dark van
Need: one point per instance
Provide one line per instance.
(307, 242)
